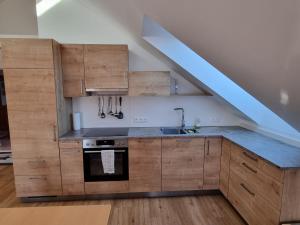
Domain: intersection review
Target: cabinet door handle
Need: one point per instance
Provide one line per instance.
(244, 186)
(81, 87)
(250, 156)
(54, 133)
(208, 147)
(249, 168)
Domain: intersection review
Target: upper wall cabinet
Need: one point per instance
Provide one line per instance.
(106, 68)
(27, 54)
(73, 70)
(150, 83)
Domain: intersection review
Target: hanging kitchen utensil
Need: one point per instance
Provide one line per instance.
(120, 114)
(116, 105)
(109, 106)
(102, 110)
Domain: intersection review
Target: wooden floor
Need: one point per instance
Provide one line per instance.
(200, 210)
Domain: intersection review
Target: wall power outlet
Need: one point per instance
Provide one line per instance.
(140, 120)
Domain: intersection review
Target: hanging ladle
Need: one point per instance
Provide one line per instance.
(120, 114)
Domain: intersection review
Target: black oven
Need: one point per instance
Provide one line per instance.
(94, 168)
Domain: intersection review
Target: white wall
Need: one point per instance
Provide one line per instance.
(157, 111)
(78, 22)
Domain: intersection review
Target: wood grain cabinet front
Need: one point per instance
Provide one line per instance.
(150, 83)
(72, 59)
(71, 156)
(36, 113)
(106, 67)
(182, 163)
(225, 167)
(212, 161)
(144, 164)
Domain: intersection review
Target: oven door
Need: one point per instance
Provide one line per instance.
(93, 167)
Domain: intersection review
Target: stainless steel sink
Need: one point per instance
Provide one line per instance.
(172, 131)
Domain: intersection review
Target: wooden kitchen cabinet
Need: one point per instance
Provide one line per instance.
(212, 161)
(182, 163)
(71, 156)
(150, 83)
(225, 164)
(106, 68)
(144, 164)
(37, 113)
(72, 57)
(262, 193)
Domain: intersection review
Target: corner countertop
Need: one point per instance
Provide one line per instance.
(278, 153)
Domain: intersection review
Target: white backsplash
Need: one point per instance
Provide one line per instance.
(157, 111)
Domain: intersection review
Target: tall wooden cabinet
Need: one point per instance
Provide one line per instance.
(182, 163)
(37, 113)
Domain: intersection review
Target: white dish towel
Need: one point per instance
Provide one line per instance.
(108, 161)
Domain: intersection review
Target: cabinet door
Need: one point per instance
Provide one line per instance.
(212, 163)
(32, 114)
(182, 164)
(145, 165)
(72, 169)
(73, 70)
(151, 83)
(225, 165)
(27, 53)
(106, 67)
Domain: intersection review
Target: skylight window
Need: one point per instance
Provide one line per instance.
(44, 5)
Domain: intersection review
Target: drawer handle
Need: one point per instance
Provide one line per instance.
(250, 156)
(249, 168)
(244, 186)
(81, 87)
(38, 178)
(54, 133)
(183, 140)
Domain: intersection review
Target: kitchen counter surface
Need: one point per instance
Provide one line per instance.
(280, 154)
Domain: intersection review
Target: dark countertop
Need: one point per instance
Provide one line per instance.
(278, 153)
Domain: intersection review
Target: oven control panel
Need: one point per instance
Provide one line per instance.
(104, 143)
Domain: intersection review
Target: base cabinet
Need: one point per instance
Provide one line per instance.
(225, 163)
(182, 163)
(144, 164)
(212, 161)
(71, 156)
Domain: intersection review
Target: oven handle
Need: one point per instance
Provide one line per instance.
(101, 151)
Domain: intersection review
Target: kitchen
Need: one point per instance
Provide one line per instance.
(93, 122)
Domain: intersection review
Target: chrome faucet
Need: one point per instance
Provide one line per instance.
(182, 117)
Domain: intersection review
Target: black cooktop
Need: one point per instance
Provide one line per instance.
(106, 132)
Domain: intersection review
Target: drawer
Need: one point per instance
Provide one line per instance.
(252, 207)
(33, 186)
(70, 144)
(106, 187)
(37, 166)
(255, 162)
(261, 183)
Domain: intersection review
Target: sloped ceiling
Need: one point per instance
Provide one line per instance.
(255, 43)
